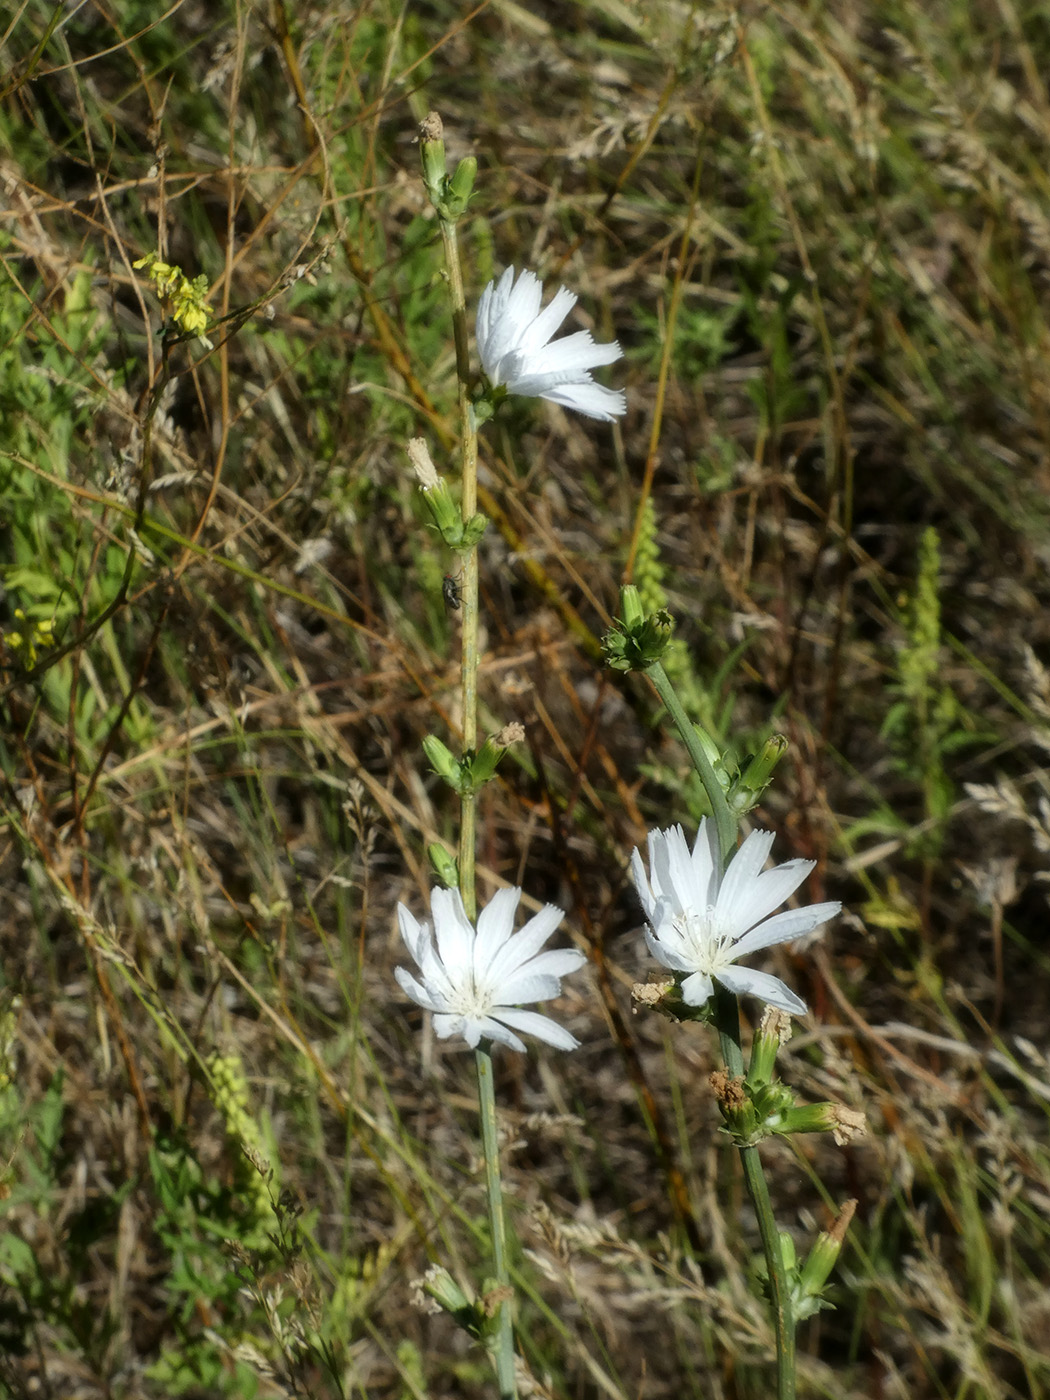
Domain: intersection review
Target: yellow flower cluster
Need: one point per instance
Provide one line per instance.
(229, 1093)
(188, 306)
(36, 635)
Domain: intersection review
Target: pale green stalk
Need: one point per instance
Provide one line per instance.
(504, 1342)
(469, 591)
(727, 1020)
(724, 820)
(504, 1347)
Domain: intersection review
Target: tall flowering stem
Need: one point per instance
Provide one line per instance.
(475, 980)
(727, 1022)
(469, 593)
(449, 198)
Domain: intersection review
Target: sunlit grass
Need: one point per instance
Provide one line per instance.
(823, 235)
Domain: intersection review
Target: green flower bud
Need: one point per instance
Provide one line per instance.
(722, 763)
(738, 1112)
(472, 531)
(460, 188)
(745, 791)
(666, 998)
(809, 1284)
(771, 1102)
(443, 761)
(774, 1031)
(631, 610)
(444, 865)
(494, 1298)
(844, 1123)
(443, 509)
(432, 156)
(445, 514)
(487, 402)
(471, 1314)
(478, 768)
(449, 197)
(639, 639)
(439, 1284)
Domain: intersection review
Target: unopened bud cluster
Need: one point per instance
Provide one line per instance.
(637, 639)
(762, 1105)
(806, 1282)
(468, 773)
(477, 1316)
(449, 197)
(458, 534)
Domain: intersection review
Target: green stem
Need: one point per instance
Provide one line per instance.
(727, 1020)
(724, 822)
(504, 1339)
(783, 1320)
(504, 1347)
(469, 592)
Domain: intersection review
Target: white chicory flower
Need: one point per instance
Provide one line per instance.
(700, 922)
(513, 337)
(473, 980)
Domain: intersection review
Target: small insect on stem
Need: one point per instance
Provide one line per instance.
(452, 592)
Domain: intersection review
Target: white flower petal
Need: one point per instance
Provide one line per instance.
(551, 967)
(668, 948)
(770, 989)
(641, 883)
(671, 870)
(542, 1027)
(425, 954)
(539, 979)
(523, 303)
(792, 923)
(743, 870)
(556, 962)
(453, 932)
(541, 327)
(495, 929)
(417, 991)
(526, 942)
(493, 1029)
(514, 345)
(469, 978)
(446, 1025)
(592, 400)
(573, 353)
(412, 931)
(493, 330)
(698, 989)
(707, 868)
(529, 986)
(699, 925)
(768, 891)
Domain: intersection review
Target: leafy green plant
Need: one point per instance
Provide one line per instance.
(927, 723)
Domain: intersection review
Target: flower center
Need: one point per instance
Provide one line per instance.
(471, 1000)
(708, 943)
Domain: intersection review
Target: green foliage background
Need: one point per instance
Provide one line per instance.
(822, 236)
